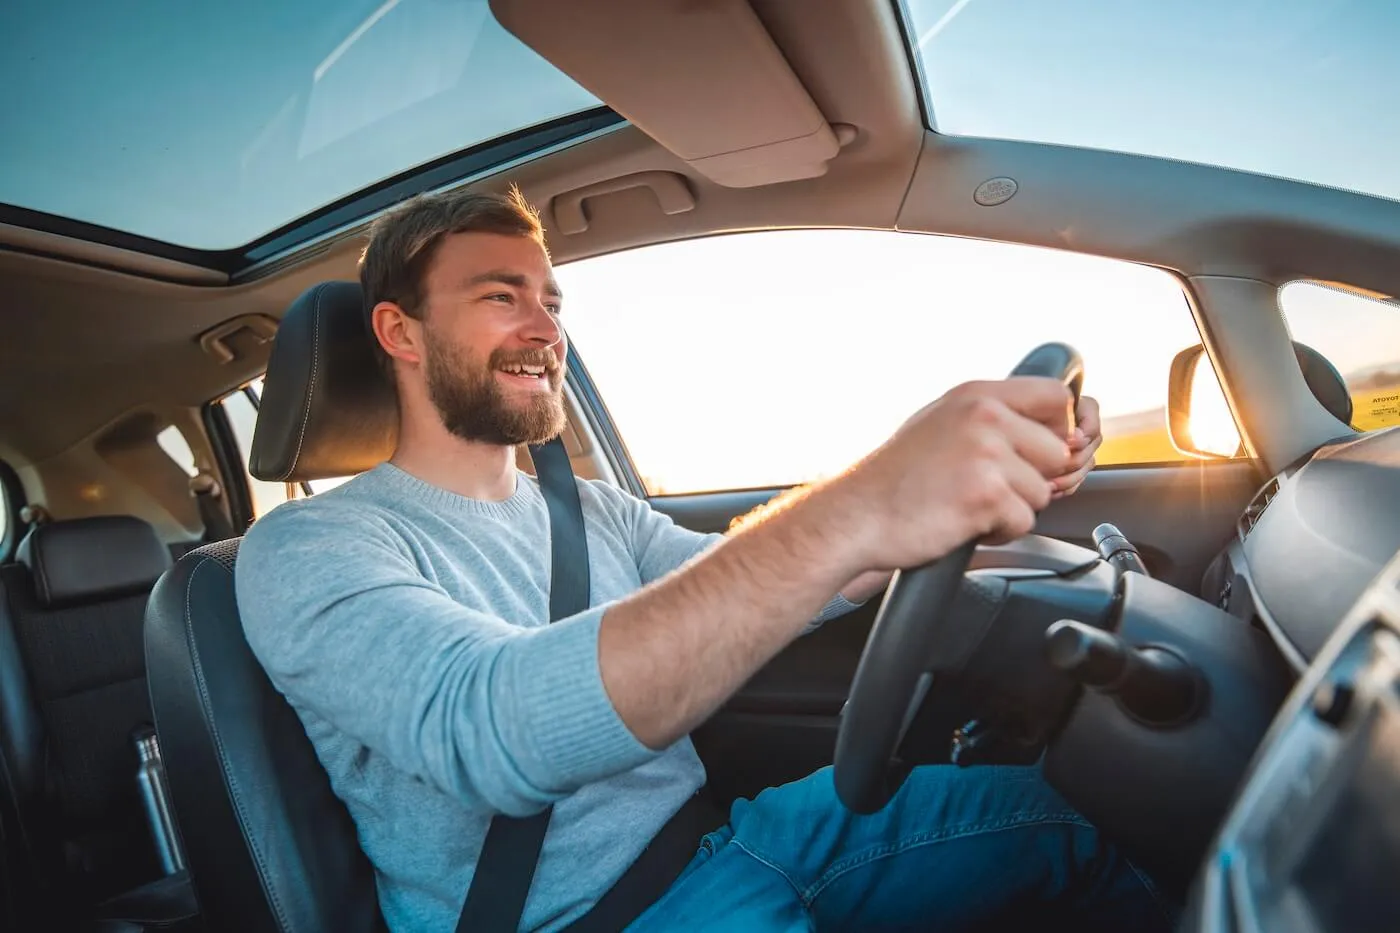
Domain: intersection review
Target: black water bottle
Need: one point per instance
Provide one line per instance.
(155, 795)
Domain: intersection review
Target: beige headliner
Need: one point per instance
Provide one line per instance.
(87, 348)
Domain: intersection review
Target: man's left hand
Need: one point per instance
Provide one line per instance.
(1083, 444)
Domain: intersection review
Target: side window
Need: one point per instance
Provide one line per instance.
(242, 410)
(177, 449)
(1360, 336)
(780, 357)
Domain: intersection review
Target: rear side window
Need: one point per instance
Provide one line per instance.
(241, 407)
(1360, 335)
(177, 449)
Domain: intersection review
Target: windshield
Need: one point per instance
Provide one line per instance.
(1298, 89)
(209, 125)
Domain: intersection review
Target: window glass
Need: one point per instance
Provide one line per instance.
(111, 121)
(1293, 88)
(243, 418)
(779, 357)
(1360, 336)
(178, 449)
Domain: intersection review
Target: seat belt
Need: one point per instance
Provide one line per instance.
(506, 866)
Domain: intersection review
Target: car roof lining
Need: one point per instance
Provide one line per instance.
(97, 334)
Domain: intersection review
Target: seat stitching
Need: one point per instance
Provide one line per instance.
(311, 388)
(206, 708)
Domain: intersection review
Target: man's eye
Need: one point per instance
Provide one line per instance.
(555, 310)
(500, 296)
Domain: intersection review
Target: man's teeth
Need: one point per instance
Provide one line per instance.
(524, 369)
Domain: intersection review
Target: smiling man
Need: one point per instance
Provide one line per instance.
(405, 616)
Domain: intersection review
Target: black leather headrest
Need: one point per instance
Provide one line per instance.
(87, 559)
(327, 409)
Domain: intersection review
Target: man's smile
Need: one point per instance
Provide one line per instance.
(529, 376)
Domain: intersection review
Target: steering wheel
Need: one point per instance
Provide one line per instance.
(894, 676)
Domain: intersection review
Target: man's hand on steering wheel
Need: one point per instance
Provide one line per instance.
(1084, 442)
(1013, 444)
(977, 463)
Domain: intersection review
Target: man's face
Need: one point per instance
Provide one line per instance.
(494, 348)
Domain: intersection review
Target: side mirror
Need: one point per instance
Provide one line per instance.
(1199, 419)
(1327, 385)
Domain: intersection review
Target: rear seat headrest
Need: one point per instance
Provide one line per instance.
(87, 559)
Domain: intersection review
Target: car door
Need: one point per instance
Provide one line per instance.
(725, 370)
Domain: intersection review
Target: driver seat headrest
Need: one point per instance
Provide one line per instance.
(327, 409)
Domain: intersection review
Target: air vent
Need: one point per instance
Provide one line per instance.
(1256, 507)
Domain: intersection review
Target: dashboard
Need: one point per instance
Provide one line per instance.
(1311, 541)
(1312, 840)
(1272, 798)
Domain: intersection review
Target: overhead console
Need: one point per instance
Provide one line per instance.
(705, 80)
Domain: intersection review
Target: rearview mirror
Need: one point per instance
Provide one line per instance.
(1199, 419)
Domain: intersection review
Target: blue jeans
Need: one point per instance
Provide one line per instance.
(956, 849)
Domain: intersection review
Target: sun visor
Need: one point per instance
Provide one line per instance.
(704, 79)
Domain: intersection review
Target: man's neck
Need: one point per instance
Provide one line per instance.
(473, 469)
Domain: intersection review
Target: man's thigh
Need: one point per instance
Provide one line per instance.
(955, 849)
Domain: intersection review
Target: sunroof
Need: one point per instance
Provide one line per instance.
(1291, 88)
(209, 125)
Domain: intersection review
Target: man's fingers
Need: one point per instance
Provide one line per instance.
(1082, 463)
(1037, 445)
(1028, 483)
(1041, 399)
(1072, 481)
(1082, 460)
(1087, 424)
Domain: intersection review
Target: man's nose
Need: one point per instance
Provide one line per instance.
(543, 329)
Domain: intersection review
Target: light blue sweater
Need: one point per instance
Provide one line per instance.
(408, 628)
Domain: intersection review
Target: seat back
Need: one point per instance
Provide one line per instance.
(72, 691)
(269, 845)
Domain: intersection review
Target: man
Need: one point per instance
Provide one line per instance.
(404, 615)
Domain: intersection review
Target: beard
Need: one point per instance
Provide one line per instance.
(474, 407)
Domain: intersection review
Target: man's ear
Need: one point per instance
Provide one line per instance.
(401, 336)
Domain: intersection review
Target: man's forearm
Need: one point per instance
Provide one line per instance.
(856, 591)
(672, 653)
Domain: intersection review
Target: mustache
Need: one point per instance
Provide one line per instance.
(540, 357)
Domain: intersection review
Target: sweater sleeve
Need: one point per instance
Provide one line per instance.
(351, 632)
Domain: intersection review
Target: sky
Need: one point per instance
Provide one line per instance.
(1306, 89)
(211, 124)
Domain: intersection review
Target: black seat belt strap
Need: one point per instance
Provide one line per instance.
(506, 866)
